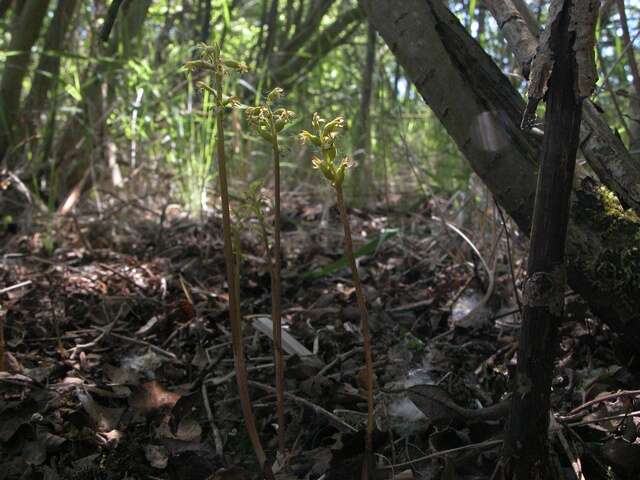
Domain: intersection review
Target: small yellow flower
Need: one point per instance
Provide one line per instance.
(325, 140)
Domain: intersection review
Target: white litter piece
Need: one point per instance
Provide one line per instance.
(290, 345)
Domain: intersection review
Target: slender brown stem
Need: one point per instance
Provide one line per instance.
(234, 294)
(276, 307)
(364, 317)
(1, 342)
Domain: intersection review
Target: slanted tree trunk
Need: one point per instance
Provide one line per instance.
(286, 65)
(482, 111)
(543, 296)
(602, 148)
(24, 34)
(110, 19)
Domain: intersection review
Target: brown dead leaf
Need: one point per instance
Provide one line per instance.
(105, 418)
(151, 396)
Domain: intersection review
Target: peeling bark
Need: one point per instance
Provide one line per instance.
(567, 69)
(604, 150)
(482, 111)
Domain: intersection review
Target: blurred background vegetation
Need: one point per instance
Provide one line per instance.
(94, 102)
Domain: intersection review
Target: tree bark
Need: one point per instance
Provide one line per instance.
(603, 149)
(24, 33)
(543, 306)
(482, 111)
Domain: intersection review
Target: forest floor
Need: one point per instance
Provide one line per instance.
(119, 360)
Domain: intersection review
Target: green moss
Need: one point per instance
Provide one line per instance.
(613, 208)
(613, 263)
(599, 207)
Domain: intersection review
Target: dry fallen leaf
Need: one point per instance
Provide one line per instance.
(151, 396)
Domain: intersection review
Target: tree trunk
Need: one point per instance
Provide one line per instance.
(543, 306)
(634, 100)
(603, 149)
(5, 5)
(482, 111)
(363, 178)
(205, 22)
(24, 33)
(270, 42)
(48, 68)
(110, 19)
(287, 65)
(86, 128)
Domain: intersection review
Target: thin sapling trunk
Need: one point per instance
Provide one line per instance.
(565, 58)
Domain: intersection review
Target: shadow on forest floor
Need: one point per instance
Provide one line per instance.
(120, 365)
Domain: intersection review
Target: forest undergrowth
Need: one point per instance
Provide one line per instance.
(120, 365)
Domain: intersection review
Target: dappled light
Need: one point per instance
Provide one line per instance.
(319, 240)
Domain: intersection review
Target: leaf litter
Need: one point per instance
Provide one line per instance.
(119, 353)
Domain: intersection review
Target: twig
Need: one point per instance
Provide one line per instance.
(635, 413)
(84, 346)
(443, 335)
(339, 358)
(217, 439)
(110, 19)
(615, 64)
(509, 255)
(622, 393)
(158, 350)
(337, 422)
(225, 378)
(490, 272)
(412, 306)
(15, 287)
(482, 446)
(124, 277)
(575, 462)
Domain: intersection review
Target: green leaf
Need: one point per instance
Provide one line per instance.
(368, 248)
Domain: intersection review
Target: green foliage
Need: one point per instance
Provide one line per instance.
(369, 248)
(152, 120)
